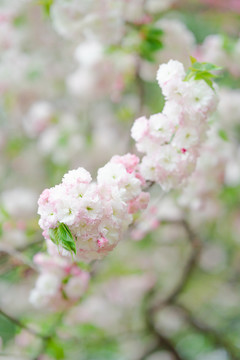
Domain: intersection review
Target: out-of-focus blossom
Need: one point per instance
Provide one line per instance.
(231, 5)
(19, 202)
(38, 118)
(220, 51)
(60, 284)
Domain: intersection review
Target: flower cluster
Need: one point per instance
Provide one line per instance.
(60, 284)
(171, 140)
(95, 213)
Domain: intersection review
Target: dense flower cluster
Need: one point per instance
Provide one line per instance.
(96, 213)
(171, 140)
(60, 284)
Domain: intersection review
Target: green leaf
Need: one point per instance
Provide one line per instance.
(231, 196)
(7, 329)
(65, 238)
(55, 349)
(223, 135)
(62, 236)
(53, 233)
(193, 60)
(202, 71)
(46, 4)
(204, 74)
(83, 266)
(19, 20)
(151, 42)
(205, 66)
(4, 213)
(228, 44)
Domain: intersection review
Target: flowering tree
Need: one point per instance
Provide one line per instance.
(126, 91)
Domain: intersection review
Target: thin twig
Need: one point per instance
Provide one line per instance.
(188, 269)
(216, 337)
(22, 325)
(151, 310)
(50, 336)
(17, 255)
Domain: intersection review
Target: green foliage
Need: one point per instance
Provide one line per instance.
(223, 135)
(231, 196)
(7, 329)
(46, 4)
(33, 74)
(148, 44)
(15, 146)
(55, 349)
(151, 42)
(19, 20)
(202, 71)
(194, 344)
(62, 236)
(88, 329)
(228, 44)
(84, 266)
(96, 344)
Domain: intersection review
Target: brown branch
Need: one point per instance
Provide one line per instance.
(9, 251)
(189, 267)
(216, 337)
(161, 340)
(50, 336)
(18, 323)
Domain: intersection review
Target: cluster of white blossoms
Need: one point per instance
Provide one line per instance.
(96, 213)
(60, 284)
(171, 140)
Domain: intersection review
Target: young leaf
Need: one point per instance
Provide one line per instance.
(223, 135)
(228, 44)
(151, 42)
(202, 71)
(65, 238)
(54, 236)
(62, 236)
(205, 67)
(46, 4)
(193, 60)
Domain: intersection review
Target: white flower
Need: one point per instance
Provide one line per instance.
(170, 76)
(139, 128)
(89, 53)
(75, 287)
(160, 127)
(185, 137)
(79, 175)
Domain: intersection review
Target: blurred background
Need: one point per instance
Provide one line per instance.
(74, 75)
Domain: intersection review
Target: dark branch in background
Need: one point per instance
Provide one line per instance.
(151, 310)
(45, 338)
(52, 334)
(188, 269)
(198, 325)
(28, 245)
(7, 251)
(20, 324)
(214, 335)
